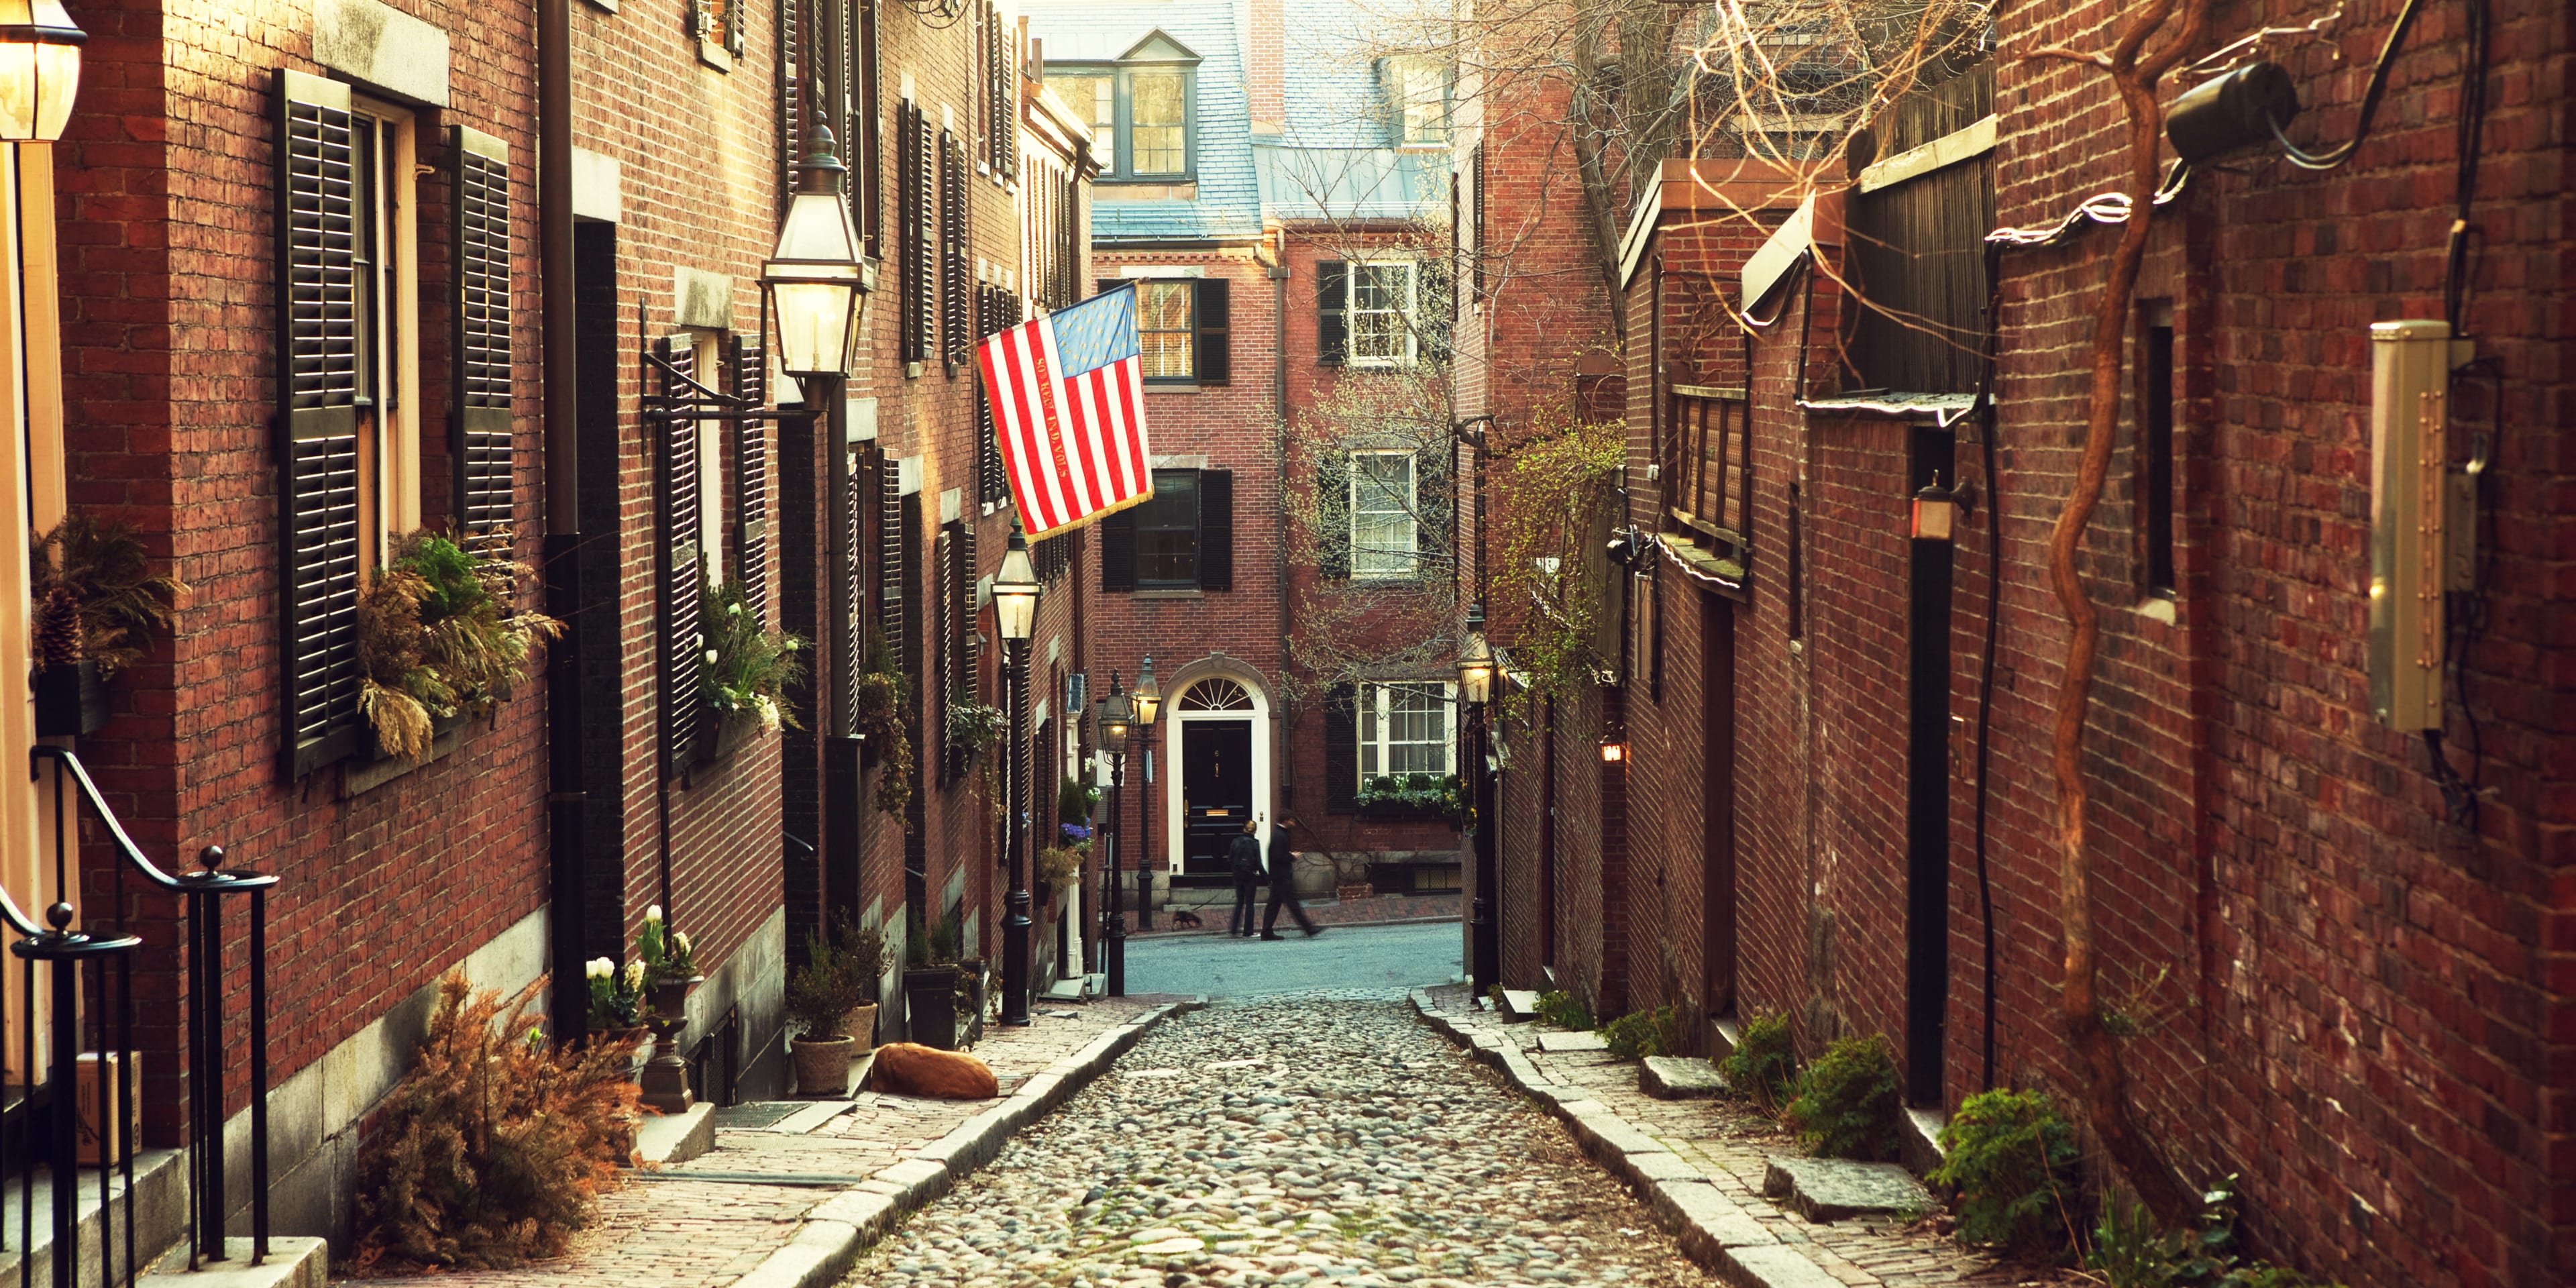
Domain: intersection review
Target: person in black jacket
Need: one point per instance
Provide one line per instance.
(1283, 884)
(1244, 856)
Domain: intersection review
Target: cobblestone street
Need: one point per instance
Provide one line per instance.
(1286, 1141)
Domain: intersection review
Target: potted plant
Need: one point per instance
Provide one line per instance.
(98, 608)
(670, 965)
(745, 674)
(930, 982)
(863, 953)
(1059, 867)
(441, 638)
(820, 995)
(617, 1006)
(973, 984)
(1410, 796)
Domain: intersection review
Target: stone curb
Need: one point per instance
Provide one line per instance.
(837, 1230)
(1712, 1228)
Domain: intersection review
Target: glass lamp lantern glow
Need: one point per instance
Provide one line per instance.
(1117, 715)
(1476, 669)
(1147, 696)
(816, 278)
(1016, 589)
(40, 68)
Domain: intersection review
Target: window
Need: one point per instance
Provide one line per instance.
(916, 237)
(1094, 93)
(348, 381)
(1139, 109)
(2156, 448)
(1181, 539)
(1417, 94)
(1165, 328)
(1382, 526)
(1167, 532)
(1366, 314)
(1404, 729)
(1158, 122)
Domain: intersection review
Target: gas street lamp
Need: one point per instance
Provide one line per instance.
(1015, 601)
(1117, 716)
(815, 277)
(1147, 700)
(1475, 688)
(40, 68)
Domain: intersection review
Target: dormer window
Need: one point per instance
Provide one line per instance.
(1139, 108)
(1417, 98)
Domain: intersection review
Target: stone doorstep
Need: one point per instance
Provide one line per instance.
(1829, 1189)
(838, 1229)
(160, 1217)
(1519, 1005)
(1678, 1077)
(676, 1138)
(1572, 1040)
(293, 1262)
(1919, 1144)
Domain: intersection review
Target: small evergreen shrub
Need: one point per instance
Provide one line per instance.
(1643, 1033)
(1764, 1062)
(2013, 1160)
(1847, 1102)
(497, 1146)
(1564, 1010)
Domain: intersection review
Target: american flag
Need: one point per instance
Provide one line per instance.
(1069, 410)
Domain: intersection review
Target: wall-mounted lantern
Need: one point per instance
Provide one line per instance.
(40, 67)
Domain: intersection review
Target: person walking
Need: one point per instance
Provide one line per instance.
(1244, 856)
(1283, 884)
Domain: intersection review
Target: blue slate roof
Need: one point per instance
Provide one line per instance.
(1229, 186)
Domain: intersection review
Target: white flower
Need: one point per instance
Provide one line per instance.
(599, 968)
(711, 657)
(653, 913)
(634, 977)
(769, 721)
(680, 940)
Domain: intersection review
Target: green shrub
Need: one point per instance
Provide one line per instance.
(1847, 1102)
(1764, 1061)
(2013, 1159)
(1643, 1033)
(2130, 1252)
(1564, 1010)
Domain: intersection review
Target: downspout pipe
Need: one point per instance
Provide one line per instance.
(560, 448)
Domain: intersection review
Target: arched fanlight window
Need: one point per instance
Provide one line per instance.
(1216, 695)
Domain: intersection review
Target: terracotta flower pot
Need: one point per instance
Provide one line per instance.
(822, 1066)
(861, 1025)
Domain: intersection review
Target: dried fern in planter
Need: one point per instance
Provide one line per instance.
(121, 604)
(497, 1147)
(440, 636)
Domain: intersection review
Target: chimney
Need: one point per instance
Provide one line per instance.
(1265, 64)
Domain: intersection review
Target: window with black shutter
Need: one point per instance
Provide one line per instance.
(483, 451)
(1476, 168)
(917, 239)
(791, 95)
(996, 308)
(1332, 326)
(678, 500)
(1213, 347)
(1341, 750)
(1167, 533)
(956, 280)
(1216, 529)
(748, 365)
(862, 140)
(1118, 550)
(318, 389)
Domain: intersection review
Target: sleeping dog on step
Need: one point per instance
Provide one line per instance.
(1184, 918)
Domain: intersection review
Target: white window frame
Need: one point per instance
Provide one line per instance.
(1377, 748)
(1404, 313)
(1400, 564)
(390, 455)
(1417, 91)
(709, 350)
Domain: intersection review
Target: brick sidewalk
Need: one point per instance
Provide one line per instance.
(1729, 1143)
(705, 1233)
(1372, 911)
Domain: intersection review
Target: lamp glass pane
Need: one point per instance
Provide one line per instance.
(814, 324)
(58, 70)
(18, 70)
(1018, 611)
(818, 230)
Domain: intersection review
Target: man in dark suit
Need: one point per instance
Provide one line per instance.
(1283, 884)
(1244, 857)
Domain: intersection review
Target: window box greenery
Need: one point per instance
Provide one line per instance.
(98, 608)
(1411, 796)
(440, 637)
(745, 677)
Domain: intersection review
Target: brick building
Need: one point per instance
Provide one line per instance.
(1835, 798)
(1282, 217)
(289, 288)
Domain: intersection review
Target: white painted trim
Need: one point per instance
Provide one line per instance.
(1174, 819)
(1796, 236)
(1641, 227)
(1151, 272)
(1949, 149)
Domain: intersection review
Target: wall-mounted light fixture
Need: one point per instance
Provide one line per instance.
(40, 67)
(1936, 512)
(816, 277)
(1613, 750)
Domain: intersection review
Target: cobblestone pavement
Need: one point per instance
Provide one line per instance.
(679, 1230)
(1291, 1140)
(1731, 1143)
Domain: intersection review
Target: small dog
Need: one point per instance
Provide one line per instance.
(1183, 917)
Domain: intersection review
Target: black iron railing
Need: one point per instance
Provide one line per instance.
(103, 941)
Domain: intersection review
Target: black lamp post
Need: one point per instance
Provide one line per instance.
(1117, 715)
(1146, 699)
(1015, 601)
(1475, 689)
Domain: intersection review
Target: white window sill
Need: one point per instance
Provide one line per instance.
(1153, 388)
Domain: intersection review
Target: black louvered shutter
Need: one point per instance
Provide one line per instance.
(1118, 550)
(682, 644)
(956, 279)
(1332, 327)
(484, 451)
(1341, 750)
(750, 373)
(863, 134)
(318, 417)
(944, 560)
(1476, 166)
(1216, 529)
(916, 240)
(1333, 513)
(1213, 348)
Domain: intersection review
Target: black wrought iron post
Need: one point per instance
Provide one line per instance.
(1015, 918)
(1485, 936)
(1145, 816)
(1114, 943)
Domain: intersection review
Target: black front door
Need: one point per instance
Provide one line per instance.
(1216, 791)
